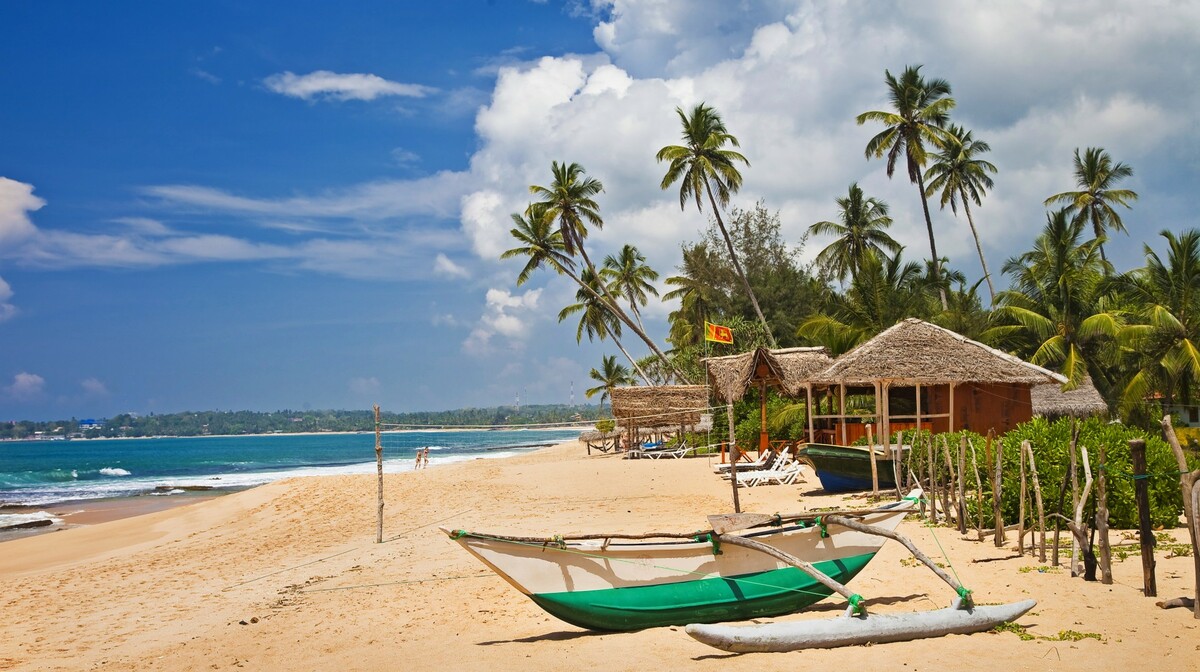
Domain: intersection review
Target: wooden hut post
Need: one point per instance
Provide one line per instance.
(962, 488)
(1037, 496)
(997, 484)
(951, 424)
(874, 464)
(764, 442)
(733, 458)
(379, 471)
(1188, 483)
(1137, 451)
(842, 411)
(808, 411)
(1102, 517)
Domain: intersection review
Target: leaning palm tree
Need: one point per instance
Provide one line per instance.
(702, 165)
(859, 231)
(630, 277)
(569, 202)
(610, 375)
(920, 109)
(1166, 340)
(1095, 175)
(958, 174)
(596, 321)
(542, 246)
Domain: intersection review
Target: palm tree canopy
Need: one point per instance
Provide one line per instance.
(540, 242)
(629, 276)
(569, 201)
(610, 375)
(597, 321)
(858, 231)
(1096, 176)
(920, 108)
(957, 172)
(702, 158)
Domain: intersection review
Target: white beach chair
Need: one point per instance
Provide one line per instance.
(762, 462)
(781, 460)
(785, 476)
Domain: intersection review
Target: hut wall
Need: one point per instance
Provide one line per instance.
(983, 406)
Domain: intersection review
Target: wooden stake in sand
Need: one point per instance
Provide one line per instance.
(379, 470)
(874, 466)
(978, 491)
(1137, 451)
(1102, 517)
(997, 483)
(1037, 495)
(1021, 508)
(733, 458)
(1189, 487)
(962, 488)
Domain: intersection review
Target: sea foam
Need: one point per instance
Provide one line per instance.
(114, 471)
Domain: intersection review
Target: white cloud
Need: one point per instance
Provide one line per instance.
(405, 157)
(323, 84)
(7, 309)
(365, 386)
(443, 266)
(505, 315)
(94, 387)
(201, 73)
(16, 202)
(26, 386)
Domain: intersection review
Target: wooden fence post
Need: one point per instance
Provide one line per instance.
(1188, 484)
(1037, 496)
(997, 484)
(1021, 509)
(874, 465)
(1102, 517)
(379, 471)
(1137, 451)
(962, 488)
(978, 492)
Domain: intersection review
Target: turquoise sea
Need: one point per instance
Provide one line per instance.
(44, 474)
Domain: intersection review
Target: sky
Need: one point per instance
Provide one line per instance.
(265, 206)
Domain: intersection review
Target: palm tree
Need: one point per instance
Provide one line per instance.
(542, 246)
(920, 109)
(698, 296)
(1057, 307)
(596, 320)
(610, 375)
(569, 202)
(1095, 175)
(702, 165)
(629, 276)
(860, 230)
(1166, 342)
(958, 174)
(883, 292)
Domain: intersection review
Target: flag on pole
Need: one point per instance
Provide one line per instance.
(715, 332)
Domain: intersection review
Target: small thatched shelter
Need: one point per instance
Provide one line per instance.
(790, 369)
(1050, 401)
(936, 364)
(658, 407)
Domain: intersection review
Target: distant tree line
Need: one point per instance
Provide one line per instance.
(203, 423)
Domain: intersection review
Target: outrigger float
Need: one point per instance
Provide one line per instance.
(746, 566)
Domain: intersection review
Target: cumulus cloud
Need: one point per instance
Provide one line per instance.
(443, 266)
(93, 387)
(26, 387)
(323, 84)
(506, 315)
(7, 309)
(16, 202)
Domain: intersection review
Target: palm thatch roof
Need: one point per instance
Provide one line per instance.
(659, 405)
(597, 435)
(917, 352)
(787, 368)
(1081, 402)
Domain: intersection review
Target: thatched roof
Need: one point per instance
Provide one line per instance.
(914, 351)
(659, 405)
(597, 435)
(787, 368)
(1081, 402)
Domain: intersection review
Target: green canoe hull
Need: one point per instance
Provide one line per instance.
(846, 468)
(708, 600)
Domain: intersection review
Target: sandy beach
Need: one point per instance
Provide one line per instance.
(287, 576)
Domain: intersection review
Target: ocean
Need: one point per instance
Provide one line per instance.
(37, 475)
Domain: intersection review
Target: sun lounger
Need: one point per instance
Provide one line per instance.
(677, 452)
(785, 476)
(781, 460)
(762, 462)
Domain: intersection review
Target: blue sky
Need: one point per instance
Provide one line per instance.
(265, 206)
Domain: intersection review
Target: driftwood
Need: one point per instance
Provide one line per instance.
(1189, 487)
(1078, 527)
(984, 534)
(1176, 602)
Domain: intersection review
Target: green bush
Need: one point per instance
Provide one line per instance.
(605, 426)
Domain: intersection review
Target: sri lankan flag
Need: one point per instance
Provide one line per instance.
(715, 332)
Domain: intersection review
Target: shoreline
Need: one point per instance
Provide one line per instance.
(443, 428)
(288, 576)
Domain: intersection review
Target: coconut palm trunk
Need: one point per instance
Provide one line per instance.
(987, 275)
(737, 265)
(937, 266)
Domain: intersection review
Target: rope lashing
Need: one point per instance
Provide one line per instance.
(777, 521)
(458, 534)
(821, 524)
(964, 593)
(712, 539)
(856, 603)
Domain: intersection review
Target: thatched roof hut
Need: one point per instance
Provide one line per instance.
(788, 368)
(1049, 400)
(659, 405)
(917, 352)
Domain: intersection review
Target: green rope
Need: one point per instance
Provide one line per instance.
(946, 557)
(856, 603)
(701, 538)
(458, 534)
(821, 523)
(964, 593)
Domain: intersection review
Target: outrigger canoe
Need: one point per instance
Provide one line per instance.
(847, 468)
(627, 582)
